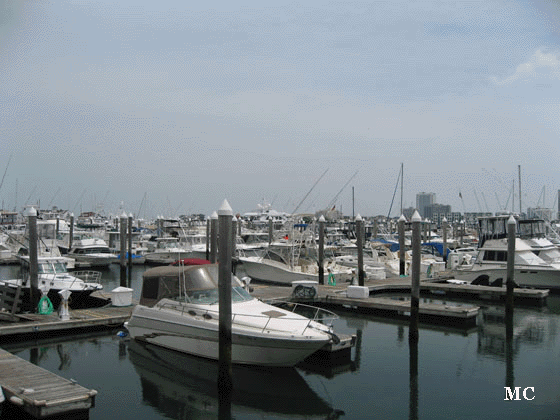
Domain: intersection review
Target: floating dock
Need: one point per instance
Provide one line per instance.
(39, 392)
(39, 325)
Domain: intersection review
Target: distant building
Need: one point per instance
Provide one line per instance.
(423, 202)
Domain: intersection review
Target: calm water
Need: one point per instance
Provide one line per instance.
(461, 374)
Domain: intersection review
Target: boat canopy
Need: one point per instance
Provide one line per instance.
(179, 282)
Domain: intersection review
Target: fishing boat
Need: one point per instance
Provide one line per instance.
(179, 310)
(490, 265)
(91, 252)
(53, 276)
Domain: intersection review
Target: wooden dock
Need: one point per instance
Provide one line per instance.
(40, 325)
(449, 314)
(39, 392)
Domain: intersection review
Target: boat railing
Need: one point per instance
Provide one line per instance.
(318, 314)
(322, 316)
(87, 276)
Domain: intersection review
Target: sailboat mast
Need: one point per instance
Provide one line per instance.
(402, 177)
(519, 171)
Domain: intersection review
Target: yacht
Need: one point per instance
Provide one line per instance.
(91, 252)
(490, 264)
(53, 276)
(179, 310)
(167, 250)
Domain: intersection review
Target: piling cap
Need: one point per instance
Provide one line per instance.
(214, 215)
(511, 220)
(416, 217)
(123, 215)
(402, 218)
(322, 219)
(359, 218)
(225, 209)
(444, 220)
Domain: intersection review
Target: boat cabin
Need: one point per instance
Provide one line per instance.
(193, 284)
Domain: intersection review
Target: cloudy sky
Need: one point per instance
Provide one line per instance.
(168, 108)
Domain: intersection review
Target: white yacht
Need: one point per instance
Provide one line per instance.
(490, 264)
(53, 277)
(167, 250)
(179, 310)
(91, 252)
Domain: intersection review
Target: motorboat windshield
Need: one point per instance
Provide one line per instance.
(50, 267)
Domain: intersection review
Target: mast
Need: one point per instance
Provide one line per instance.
(402, 178)
(519, 171)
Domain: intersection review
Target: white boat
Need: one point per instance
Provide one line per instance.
(272, 268)
(490, 265)
(168, 250)
(179, 310)
(91, 252)
(53, 276)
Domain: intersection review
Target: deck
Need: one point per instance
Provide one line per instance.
(39, 392)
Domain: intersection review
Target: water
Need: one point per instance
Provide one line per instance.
(461, 374)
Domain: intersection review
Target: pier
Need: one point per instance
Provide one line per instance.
(40, 393)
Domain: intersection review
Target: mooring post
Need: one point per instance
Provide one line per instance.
(510, 283)
(207, 238)
(360, 245)
(320, 259)
(511, 226)
(122, 258)
(34, 297)
(444, 226)
(225, 383)
(270, 229)
(415, 289)
(214, 238)
(57, 229)
(129, 249)
(71, 237)
(402, 250)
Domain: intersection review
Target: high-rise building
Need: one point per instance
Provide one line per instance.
(424, 201)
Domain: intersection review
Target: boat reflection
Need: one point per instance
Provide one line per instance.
(182, 386)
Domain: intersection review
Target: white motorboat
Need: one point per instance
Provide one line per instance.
(53, 276)
(179, 310)
(168, 250)
(490, 265)
(91, 252)
(271, 268)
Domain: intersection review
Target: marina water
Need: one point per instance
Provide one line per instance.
(462, 374)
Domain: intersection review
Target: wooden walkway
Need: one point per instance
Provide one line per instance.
(36, 324)
(39, 392)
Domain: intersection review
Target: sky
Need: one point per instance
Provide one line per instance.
(168, 108)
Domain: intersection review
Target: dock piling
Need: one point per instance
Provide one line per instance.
(415, 289)
(360, 245)
(225, 381)
(402, 253)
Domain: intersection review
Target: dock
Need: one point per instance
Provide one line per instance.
(37, 325)
(39, 392)
(448, 313)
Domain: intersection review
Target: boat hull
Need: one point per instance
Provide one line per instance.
(203, 341)
(274, 272)
(535, 277)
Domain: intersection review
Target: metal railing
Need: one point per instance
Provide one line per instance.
(320, 315)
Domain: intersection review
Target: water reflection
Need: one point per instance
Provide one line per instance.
(184, 387)
(526, 326)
